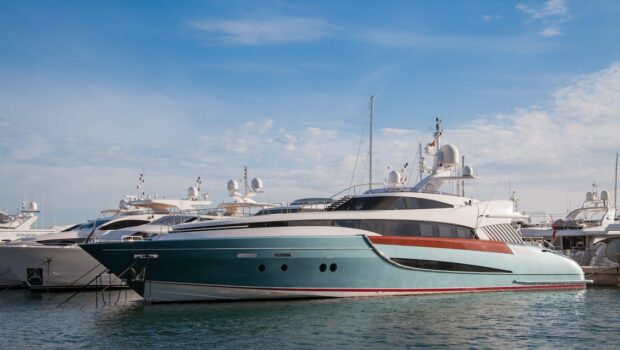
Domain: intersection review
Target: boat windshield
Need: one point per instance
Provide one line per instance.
(587, 215)
(97, 223)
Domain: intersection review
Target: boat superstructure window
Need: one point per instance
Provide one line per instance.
(281, 210)
(391, 203)
(117, 225)
(72, 228)
(383, 227)
(172, 220)
(95, 223)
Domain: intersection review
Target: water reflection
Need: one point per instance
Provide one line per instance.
(533, 319)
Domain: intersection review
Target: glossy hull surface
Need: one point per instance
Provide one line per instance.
(344, 266)
(55, 267)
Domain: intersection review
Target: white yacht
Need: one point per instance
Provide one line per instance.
(20, 225)
(577, 233)
(54, 261)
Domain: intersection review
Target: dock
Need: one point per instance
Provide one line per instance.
(603, 276)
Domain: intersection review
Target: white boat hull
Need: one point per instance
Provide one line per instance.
(54, 267)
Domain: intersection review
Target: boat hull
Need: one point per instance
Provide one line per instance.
(41, 267)
(316, 267)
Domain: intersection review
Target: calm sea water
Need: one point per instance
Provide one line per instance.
(572, 319)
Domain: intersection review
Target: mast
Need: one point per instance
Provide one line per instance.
(245, 181)
(437, 134)
(616, 184)
(421, 164)
(372, 107)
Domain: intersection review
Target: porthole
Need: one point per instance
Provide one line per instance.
(323, 267)
(284, 267)
(261, 268)
(333, 267)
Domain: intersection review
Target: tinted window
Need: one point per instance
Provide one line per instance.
(445, 266)
(123, 224)
(382, 227)
(391, 203)
(172, 220)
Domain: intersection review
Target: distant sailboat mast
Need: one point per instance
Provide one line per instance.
(616, 184)
(372, 107)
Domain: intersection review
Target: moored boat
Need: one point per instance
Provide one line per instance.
(395, 240)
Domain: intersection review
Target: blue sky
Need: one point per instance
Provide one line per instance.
(94, 93)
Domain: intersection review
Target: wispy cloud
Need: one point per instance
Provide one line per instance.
(251, 32)
(408, 39)
(551, 15)
(489, 18)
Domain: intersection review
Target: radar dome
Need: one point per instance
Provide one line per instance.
(448, 156)
(589, 196)
(123, 204)
(192, 192)
(33, 206)
(394, 178)
(468, 171)
(257, 184)
(232, 186)
(604, 196)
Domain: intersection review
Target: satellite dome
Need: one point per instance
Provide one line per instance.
(192, 192)
(232, 186)
(589, 196)
(33, 206)
(257, 184)
(123, 204)
(448, 156)
(604, 195)
(394, 178)
(468, 171)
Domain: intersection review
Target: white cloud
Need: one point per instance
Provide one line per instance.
(522, 44)
(550, 32)
(489, 18)
(551, 15)
(283, 30)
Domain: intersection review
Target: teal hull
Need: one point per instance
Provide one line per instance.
(318, 266)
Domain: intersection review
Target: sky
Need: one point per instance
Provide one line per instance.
(94, 93)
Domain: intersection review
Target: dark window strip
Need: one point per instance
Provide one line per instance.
(445, 265)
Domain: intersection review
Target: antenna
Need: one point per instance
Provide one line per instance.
(462, 181)
(140, 186)
(371, 107)
(421, 164)
(245, 179)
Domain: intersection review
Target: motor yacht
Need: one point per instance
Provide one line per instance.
(20, 225)
(55, 262)
(395, 240)
(577, 234)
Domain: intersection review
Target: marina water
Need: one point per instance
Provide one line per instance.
(569, 319)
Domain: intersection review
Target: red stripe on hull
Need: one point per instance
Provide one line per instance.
(446, 243)
(402, 290)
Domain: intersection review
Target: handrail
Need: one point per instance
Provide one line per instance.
(355, 186)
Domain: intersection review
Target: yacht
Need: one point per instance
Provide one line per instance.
(55, 262)
(395, 240)
(577, 234)
(19, 226)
